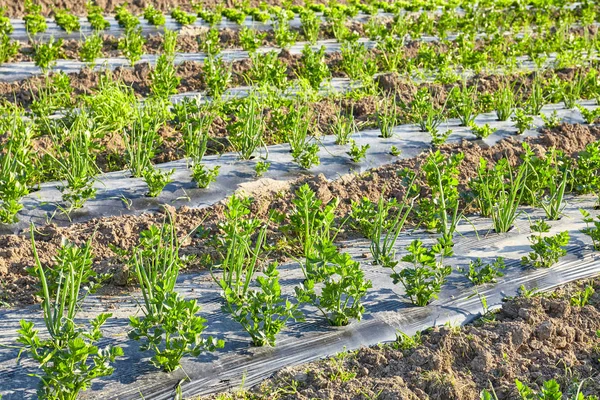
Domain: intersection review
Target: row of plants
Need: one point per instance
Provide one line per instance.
(334, 283)
(78, 138)
(484, 16)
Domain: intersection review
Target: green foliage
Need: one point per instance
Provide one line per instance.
(480, 273)
(550, 390)
(388, 116)
(156, 179)
(483, 131)
(76, 162)
(310, 25)
(235, 15)
(204, 176)
(261, 167)
(498, 192)
(552, 121)
(132, 44)
(356, 62)
(95, 18)
(295, 127)
(125, 18)
(141, 136)
(15, 165)
(504, 102)
(55, 94)
(217, 76)
(311, 222)
(251, 39)
(34, 20)
(522, 121)
(163, 78)
(182, 17)
(395, 151)
(462, 103)
(45, 54)
(582, 297)
(210, 42)
(343, 284)
(343, 127)
(193, 121)
(268, 70)
(154, 16)
(69, 358)
(440, 210)
(246, 132)
(313, 67)
(6, 27)
(91, 49)
(406, 342)
(67, 21)
(546, 249)
(422, 112)
(423, 280)
(590, 116)
(586, 174)
(171, 328)
(356, 152)
(113, 106)
(263, 312)
(8, 48)
(284, 36)
(592, 228)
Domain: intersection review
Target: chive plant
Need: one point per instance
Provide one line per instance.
(69, 358)
(171, 327)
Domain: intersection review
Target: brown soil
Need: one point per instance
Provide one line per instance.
(15, 253)
(530, 339)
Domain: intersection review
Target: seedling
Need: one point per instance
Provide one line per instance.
(552, 121)
(310, 25)
(194, 120)
(210, 42)
(386, 228)
(163, 78)
(586, 175)
(69, 358)
(154, 16)
(522, 121)
(356, 152)
(170, 328)
(217, 76)
(504, 102)
(91, 49)
(440, 211)
(284, 36)
(295, 127)
(462, 103)
(313, 67)
(251, 39)
(343, 127)
(45, 54)
(156, 179)
(546, 249)
(264, 312)
(182, 17)
(95, 18)
(355, 60)
(423, 113)
(592, 228)
(387, 116)
(246, 132)
(8, 48)
(132, 44)
(126, 19)
(582, 297)
(261, 167)
(343, 285)
(204, 176)
(34, 20)
(6, 27)
(483, 131)
(423, 280)
(268, 70)
(395, 151)
(590, 116)
(480, 273)
(67, 21)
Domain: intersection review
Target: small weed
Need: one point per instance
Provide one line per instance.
(204, 176)
(480, 273)
(582, 297)
(261, 167)
(522, 121)
(546, 249)
(357, 153)
(156, 179)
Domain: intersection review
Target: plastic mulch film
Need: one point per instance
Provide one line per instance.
(387, 312)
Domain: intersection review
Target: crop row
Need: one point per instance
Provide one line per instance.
(334, 283)
(394, 31)
(263, 117)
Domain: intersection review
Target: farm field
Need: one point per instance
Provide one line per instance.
(354, 200)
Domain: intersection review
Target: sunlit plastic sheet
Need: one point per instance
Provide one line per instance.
(120, 194)
(388, 312)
